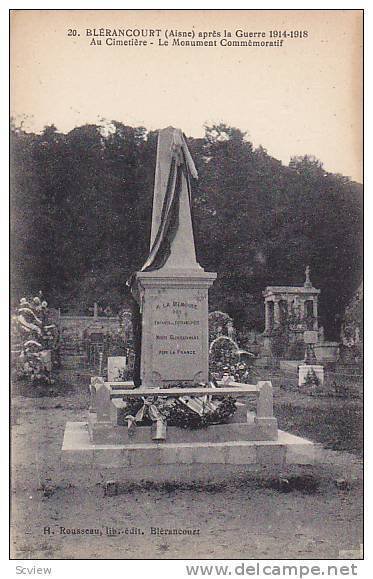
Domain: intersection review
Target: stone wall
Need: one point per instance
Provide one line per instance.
(78, 327)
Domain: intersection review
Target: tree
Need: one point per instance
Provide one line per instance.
(81, 218)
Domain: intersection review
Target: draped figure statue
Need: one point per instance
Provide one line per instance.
(172, 240)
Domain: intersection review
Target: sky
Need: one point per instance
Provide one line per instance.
(302, 98)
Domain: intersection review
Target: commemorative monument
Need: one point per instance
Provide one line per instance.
(175, 420)
(172, 286)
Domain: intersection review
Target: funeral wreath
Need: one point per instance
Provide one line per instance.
(183, 412)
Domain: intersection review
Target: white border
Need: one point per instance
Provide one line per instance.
(167, 569)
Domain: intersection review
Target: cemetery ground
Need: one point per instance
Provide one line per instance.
(307, 512)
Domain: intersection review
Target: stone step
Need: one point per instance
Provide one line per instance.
(78, 451)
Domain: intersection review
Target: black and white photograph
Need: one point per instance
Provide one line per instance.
(186, 287)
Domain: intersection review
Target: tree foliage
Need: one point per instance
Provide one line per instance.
(81, 216)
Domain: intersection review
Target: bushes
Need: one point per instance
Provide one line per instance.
(335, 385)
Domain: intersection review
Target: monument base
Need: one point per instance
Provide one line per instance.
(85, 461)
(105, 446)
(234, 430)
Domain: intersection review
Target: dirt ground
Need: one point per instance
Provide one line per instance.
(316, 513)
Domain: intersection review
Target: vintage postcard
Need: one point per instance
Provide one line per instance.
(187, 286)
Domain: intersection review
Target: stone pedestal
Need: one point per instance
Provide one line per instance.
(304, 369)
(174, 326)
(310, 358)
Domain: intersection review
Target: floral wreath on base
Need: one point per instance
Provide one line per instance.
(184, 412)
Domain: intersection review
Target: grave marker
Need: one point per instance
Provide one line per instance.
(115, 367)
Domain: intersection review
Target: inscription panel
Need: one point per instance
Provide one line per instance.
(179, 333)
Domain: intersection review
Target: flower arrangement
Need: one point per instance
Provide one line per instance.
(184, 412)
(311, 379)
(223, 350)
(35, 337)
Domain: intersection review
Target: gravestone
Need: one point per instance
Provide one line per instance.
(310, 368)
(115, 367)
(173, 287)
(102, 400)
(306, 371)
